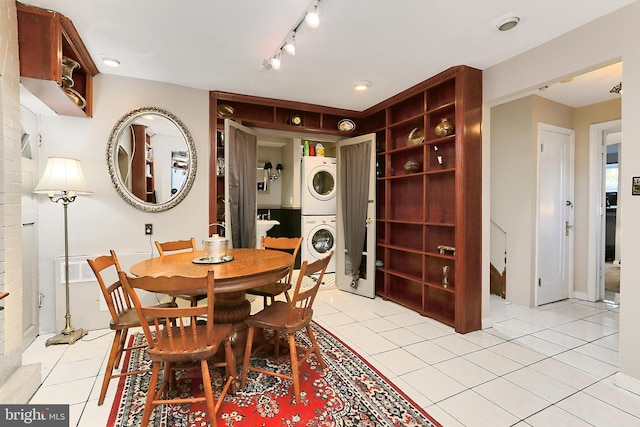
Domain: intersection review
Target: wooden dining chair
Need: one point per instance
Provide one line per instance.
(123, 316)
(178, 336)
(287, 318)
(176, 245)
(166, 248)
(270, 291)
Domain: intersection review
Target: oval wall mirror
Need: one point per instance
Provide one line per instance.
(152, 159)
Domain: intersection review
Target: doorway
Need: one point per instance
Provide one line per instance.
(612, 226)
(555, 214)
(602, 199)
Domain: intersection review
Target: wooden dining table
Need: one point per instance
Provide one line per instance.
(249, 268)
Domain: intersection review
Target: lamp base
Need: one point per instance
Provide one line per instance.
(67, 338)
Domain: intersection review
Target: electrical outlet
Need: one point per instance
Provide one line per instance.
(148, 229)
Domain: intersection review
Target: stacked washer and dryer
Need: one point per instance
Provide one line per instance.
(318, 209)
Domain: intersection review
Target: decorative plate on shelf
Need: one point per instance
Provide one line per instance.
(296, 119)
(416, 136)
(225, 111)
(346, 125)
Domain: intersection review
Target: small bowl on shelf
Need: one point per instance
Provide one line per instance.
(412, 166)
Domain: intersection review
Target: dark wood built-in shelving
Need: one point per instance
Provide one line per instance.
(438, 206)
(417, 213)
(44, 38)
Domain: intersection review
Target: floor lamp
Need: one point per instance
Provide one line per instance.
(62, 181)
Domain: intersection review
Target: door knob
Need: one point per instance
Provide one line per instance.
(567, 227)
(369, 220)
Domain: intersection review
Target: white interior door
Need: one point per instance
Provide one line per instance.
(366, 285)
(555, 214)
(30, 287)
(228, 162)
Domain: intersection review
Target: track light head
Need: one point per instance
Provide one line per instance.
(313, 16)
(290, 44)
(275, 62)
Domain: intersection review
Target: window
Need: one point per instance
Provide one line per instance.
(611, 178)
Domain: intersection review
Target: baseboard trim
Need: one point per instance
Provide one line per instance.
(627, 383)
(581, 295)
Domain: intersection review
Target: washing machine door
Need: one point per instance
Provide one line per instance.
(321, 242)
(321, 183)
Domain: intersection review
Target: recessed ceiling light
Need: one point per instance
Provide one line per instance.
(361, 86)
(111, 62)
(508, 23)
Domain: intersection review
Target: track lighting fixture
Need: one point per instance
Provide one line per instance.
(311, 17)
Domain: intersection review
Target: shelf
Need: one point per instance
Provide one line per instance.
(276, 114)
(44, 38)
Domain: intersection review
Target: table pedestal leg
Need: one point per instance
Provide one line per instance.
(233, 308)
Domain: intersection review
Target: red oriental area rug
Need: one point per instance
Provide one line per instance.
(348, 393)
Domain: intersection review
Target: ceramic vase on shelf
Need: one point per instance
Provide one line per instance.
(68, 65)
(445, 128)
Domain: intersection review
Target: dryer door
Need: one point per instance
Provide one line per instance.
(321, 183)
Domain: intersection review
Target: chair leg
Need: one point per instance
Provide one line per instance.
(151, 394)
(113, 355)
(247, 356)
(231, 365)
(316, 347)
(294, 367)
(208, 392)
(123, 345)
(276, 343)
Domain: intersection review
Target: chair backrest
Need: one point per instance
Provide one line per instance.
(286, 244)
(300, 307)
(114, 294)
(178, 322)
(176, 245)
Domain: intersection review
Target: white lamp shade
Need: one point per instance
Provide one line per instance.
(62, 175)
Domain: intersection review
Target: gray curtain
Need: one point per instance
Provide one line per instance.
(242, 176)
(354, 185)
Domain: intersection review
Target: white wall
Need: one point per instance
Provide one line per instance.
(10, 195)
(103, 221)
(603, 41)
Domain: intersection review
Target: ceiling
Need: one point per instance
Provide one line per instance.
(221, 45)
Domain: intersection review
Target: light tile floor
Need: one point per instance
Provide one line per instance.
(551, 366)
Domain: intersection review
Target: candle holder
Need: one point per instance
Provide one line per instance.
(445, 276)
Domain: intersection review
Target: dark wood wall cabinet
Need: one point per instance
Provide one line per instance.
(46, 40)
(429, 185)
